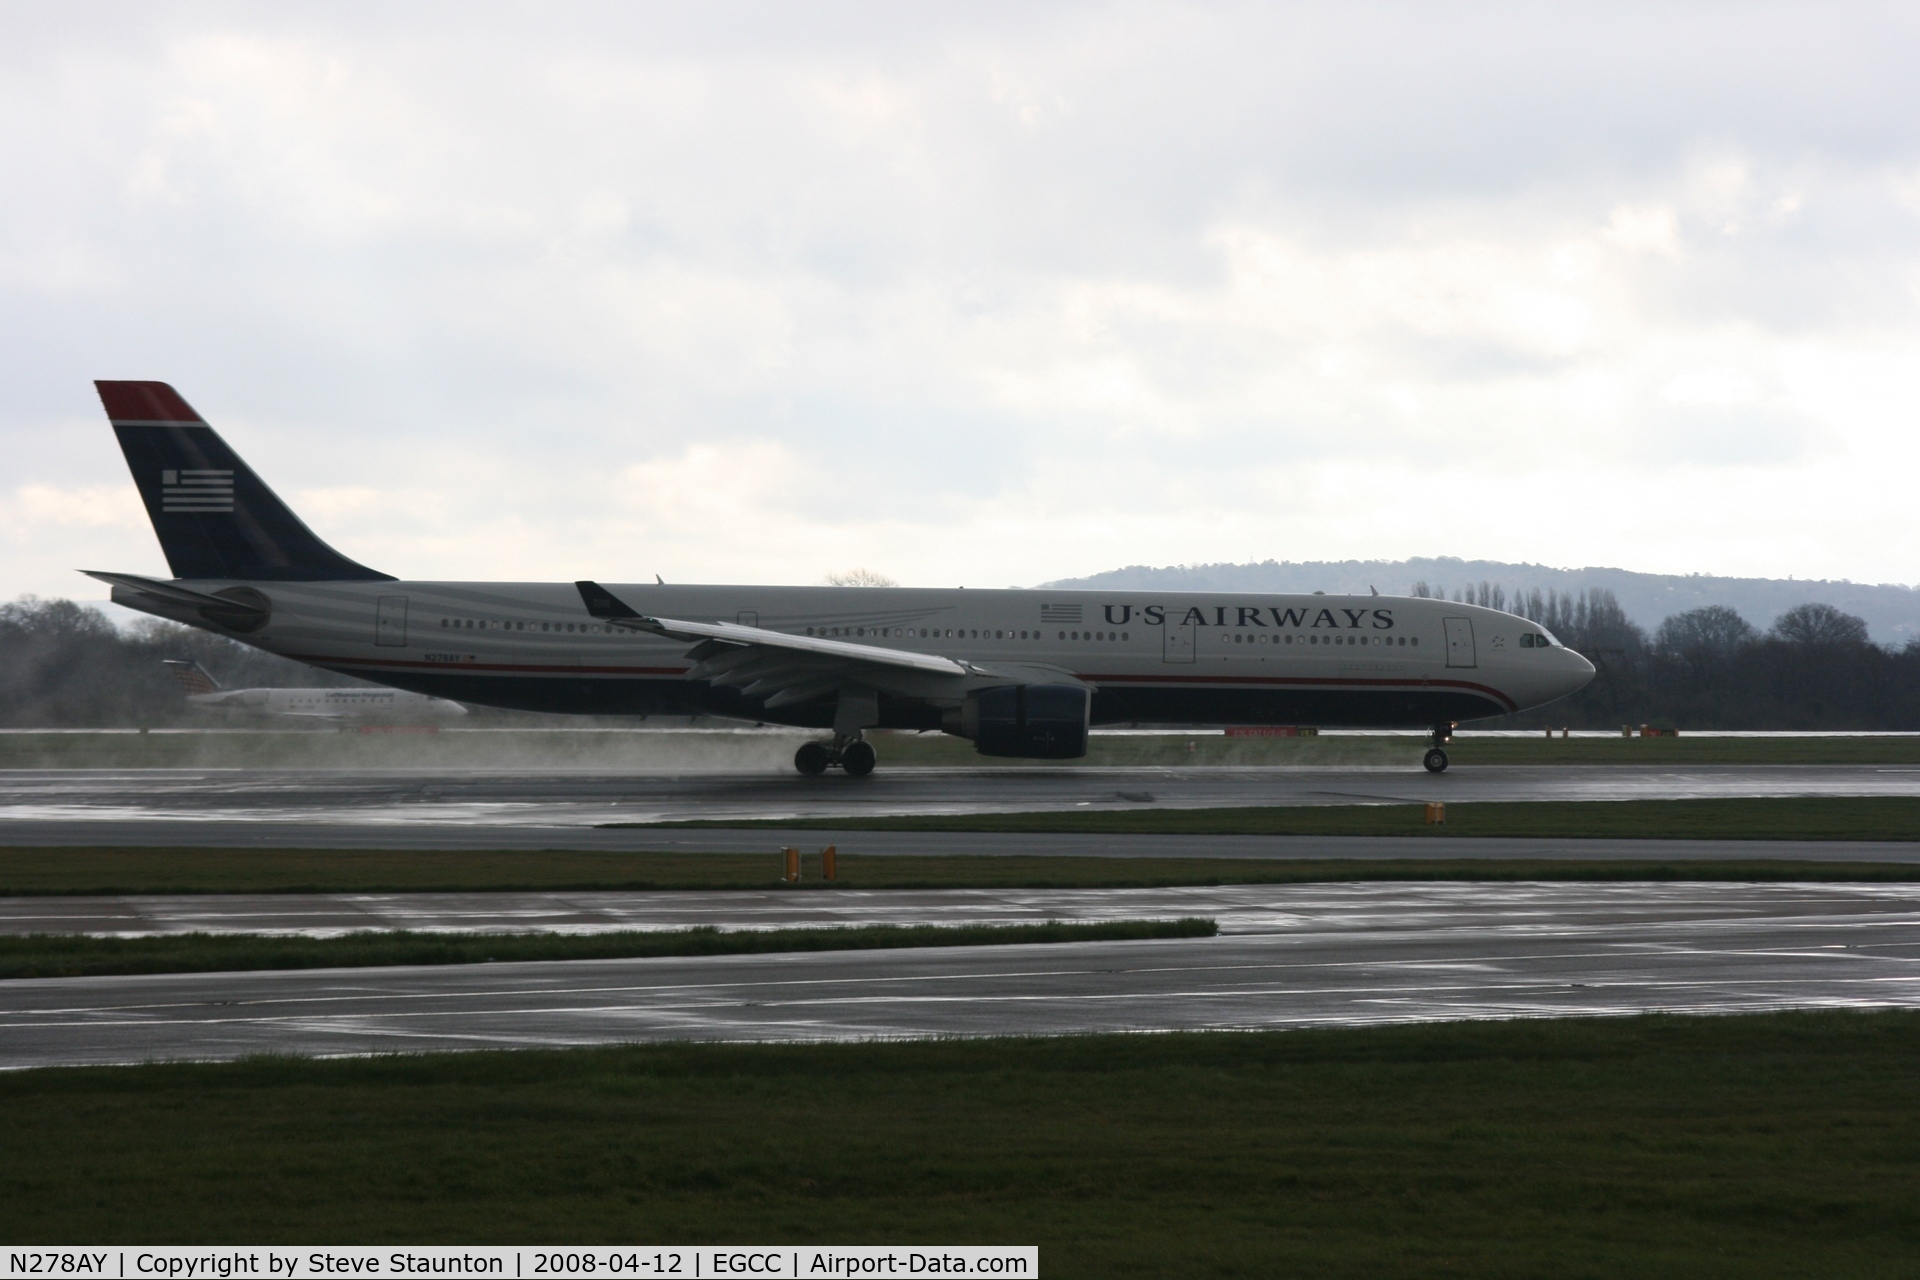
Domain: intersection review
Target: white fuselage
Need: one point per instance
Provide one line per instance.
(1153, 657)
(329, 704)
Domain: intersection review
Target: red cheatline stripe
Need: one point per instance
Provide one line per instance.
(144, 402)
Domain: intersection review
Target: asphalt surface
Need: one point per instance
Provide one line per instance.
(884, 844)
(1299, 956)
(1236, 908)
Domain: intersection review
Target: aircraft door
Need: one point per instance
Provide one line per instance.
(1460, 643)
(390, 621)
(1177, 642)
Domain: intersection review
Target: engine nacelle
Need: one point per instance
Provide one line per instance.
(1035, 721)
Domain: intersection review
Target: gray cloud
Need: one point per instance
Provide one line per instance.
(1018, 291)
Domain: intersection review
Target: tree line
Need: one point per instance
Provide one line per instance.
(64, 665)
(1709, 668)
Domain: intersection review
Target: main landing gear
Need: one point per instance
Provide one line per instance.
(1436, 757)
(854, 755)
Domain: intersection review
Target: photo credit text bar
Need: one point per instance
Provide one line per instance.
(516, 1262)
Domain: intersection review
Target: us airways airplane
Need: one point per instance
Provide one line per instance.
(1020, 673)
(204, 693)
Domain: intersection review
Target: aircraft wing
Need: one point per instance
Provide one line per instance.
(786, 669)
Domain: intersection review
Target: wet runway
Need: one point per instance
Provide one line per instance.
(525, 798)
(885, 844)
(1298, 956)
(1236, 908)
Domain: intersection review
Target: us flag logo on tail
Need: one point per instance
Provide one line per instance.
(196, 491)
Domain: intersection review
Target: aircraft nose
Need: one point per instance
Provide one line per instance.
(1579, 672)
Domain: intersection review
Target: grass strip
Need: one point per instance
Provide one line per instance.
(44, 955)
(106, 872)
(1763, 818)
(1752, 1146)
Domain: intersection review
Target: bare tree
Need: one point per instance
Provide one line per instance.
(1715, 631)
(1819, 624)
(859, 578)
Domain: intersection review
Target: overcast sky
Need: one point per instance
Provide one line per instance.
(972, 294)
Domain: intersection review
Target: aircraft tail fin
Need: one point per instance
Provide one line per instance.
(214, 517)
(191, 676)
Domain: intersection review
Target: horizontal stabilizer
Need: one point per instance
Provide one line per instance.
(235, 608)
(171, 592)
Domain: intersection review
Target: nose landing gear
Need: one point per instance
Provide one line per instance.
(854, 755)
(1436, 758)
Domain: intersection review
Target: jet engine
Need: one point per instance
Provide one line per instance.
(1034, 721)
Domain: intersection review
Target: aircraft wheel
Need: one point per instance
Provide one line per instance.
(1436, 761)
(812, 759)
(858, 759)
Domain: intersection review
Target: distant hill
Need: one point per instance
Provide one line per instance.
(1892, 612)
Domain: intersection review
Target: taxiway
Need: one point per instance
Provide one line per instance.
(1297, 956)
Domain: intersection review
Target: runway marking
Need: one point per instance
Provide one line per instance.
(1305, 956)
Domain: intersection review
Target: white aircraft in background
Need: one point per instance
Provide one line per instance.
(1020, 673)
(388, 705)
